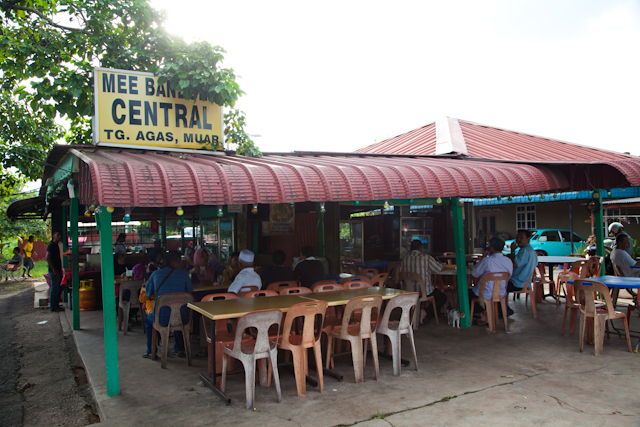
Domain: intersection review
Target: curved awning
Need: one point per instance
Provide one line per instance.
(32, 208)
(137, 178)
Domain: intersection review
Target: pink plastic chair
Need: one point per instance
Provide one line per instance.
(257, 294)
(299, 290)
(263, 347)
(380, 280)
(350, 286)
(174, 302)
(394, 329)
(278, 286)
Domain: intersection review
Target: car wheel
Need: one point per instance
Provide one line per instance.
(541, 253)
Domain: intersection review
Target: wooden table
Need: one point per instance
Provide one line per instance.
(234, 308)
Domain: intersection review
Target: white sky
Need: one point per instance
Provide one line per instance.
(339, 75)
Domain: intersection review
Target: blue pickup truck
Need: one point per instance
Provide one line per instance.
(551, 242)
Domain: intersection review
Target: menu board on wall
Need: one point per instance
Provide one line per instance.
(281, 219)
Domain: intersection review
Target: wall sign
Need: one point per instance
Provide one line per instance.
(132, 110)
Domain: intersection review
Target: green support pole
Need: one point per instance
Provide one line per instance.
(163, 223)
(75, 281)
(65, 247)
(461, 262)
(597, 197)
(320, 230)
(256, 227)
(109, 303)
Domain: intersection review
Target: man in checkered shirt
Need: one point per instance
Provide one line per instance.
(424, 264)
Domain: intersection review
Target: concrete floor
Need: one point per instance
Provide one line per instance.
(528, 376)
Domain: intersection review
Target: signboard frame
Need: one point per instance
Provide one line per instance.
(96, 119)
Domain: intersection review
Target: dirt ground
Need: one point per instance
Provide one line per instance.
(42, 379)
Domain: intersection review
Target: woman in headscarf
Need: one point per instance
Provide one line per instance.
(139, 271)
(201, 271)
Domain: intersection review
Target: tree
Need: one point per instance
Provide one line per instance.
(48, 49)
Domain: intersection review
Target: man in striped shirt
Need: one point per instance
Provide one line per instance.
(423, 264)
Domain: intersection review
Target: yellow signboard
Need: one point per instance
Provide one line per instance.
(281, 218)
(131, 110)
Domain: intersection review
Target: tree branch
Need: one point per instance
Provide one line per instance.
(10, 5)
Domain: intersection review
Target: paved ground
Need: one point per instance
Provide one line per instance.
(42, 379)
(529, 376)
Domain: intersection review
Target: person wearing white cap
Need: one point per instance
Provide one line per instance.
(247, 275)
(616, 229)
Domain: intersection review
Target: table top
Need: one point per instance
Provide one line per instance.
(203, 287)
(343, 297)
(559, 259)
(616, 281)
(229, 309)
(374, 263)
(449, 272)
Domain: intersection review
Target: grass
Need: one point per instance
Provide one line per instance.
(40, 269)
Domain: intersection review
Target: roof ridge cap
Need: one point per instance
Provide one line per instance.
(449, 137)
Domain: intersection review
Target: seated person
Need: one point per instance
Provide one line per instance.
(156, 258)
(247, 275)
(621, 258)
(171, 279)
(202, 271)
(276, 272)
(424, 264)
(308, 270)
(230, 273)
(524, 262)
(120, 268)
(213, 262)
(14, 263)
(494, 263)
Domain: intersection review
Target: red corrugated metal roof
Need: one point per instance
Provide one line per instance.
(149, 179)
(491, 143)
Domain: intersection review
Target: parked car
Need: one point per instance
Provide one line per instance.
(551, 242)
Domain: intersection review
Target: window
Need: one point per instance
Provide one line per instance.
(525, 217)
(566, 236)
(550, 236)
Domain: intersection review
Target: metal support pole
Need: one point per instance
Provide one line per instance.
(256, 229)
(461, 262)
(182, 233)
(571, 222)
(109, 304)
(163, 224)
(75, 276)
(599, 221)
(65, 247)
(320, 229)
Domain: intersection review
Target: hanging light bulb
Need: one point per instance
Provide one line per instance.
(461, 203)
(609, 193)
(92, 208)
(555, 196)
(254, 209)
(410, 201)
(322, 208)
(499, 197)
(510, 198)
(179, 211)
(126, 218)
(110, 209)
(438, 200)
(357, 203)
(87, 213)
(530, 198)
(386, 204)
(220, 211)
(292, 205)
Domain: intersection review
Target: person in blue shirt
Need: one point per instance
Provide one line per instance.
(524, 262)
(169, 280)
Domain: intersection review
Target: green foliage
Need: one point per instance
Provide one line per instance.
(234, 133)
(48, 49)
(10, 231)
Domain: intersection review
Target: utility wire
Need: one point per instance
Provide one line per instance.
(38, 160)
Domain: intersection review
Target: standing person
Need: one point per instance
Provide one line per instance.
(247, 275)
(524, 262)
(276, 272)
(120, 248)
(423, 264)
(54, 261)
(494, 263)
(309, 270)
(171, 279)
(28, 251)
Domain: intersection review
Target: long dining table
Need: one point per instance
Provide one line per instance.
(235, 308)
